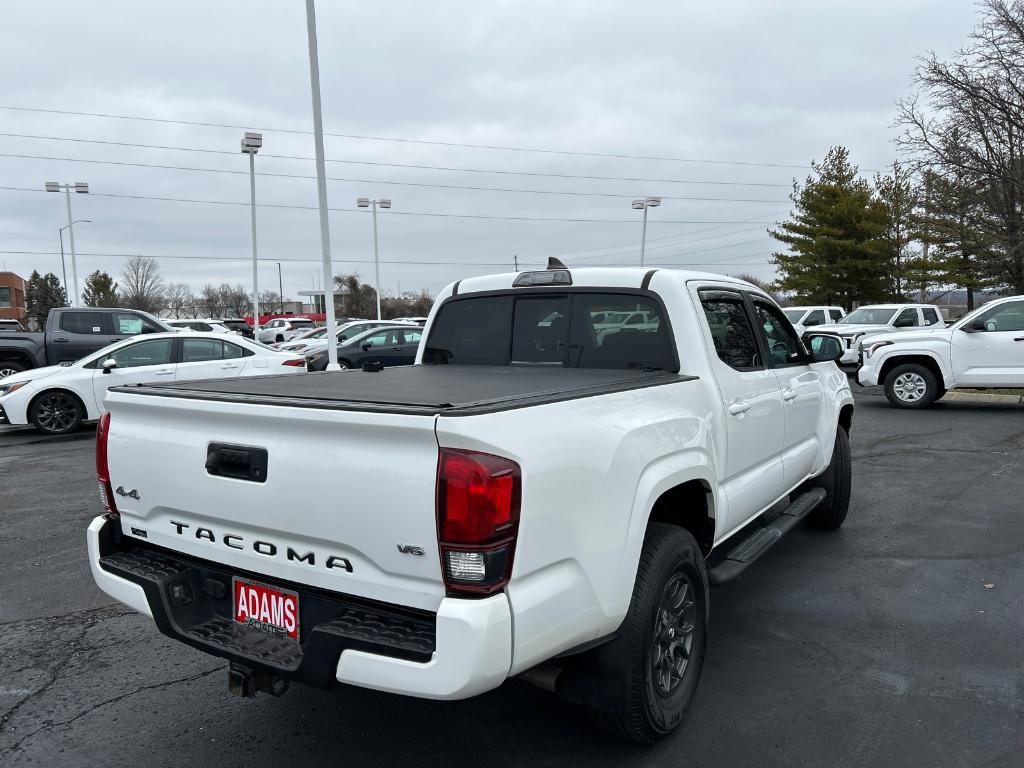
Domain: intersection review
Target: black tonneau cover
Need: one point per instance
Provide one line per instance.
(424, 390)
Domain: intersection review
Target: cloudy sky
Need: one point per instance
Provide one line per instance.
(715, 107)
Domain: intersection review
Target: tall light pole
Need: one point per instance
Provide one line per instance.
(251, 143)
(365, 202)
(321, 186)
(81, 188)
(645, 203)
(63, 268)
(280, 287)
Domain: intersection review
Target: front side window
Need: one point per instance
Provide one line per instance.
(731, 331)
(128, 324)
(382, 339)
(783, 345)
(817, 317)
(1005, 317)
(154, 352)
(87, 323)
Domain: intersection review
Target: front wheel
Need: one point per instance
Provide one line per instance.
(830, 514)
(912, 386)
(56, 413)
(661, 643)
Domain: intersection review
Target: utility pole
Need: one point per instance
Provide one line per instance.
(280, 287)
(81, 188)
(515, 261)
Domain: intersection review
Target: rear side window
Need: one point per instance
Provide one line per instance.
(89, 323)
(577, 330)
(836, 315)
(931, 317)
(731, 330)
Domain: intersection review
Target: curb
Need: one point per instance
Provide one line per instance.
(982, 397)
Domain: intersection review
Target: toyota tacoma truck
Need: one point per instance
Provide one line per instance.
(983, 349)
(873, 319)
(533, 501)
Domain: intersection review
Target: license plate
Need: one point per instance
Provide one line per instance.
(266, 609)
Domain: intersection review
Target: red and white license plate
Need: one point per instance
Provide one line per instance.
(266, 608)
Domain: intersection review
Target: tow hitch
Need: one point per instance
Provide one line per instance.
(245, 682)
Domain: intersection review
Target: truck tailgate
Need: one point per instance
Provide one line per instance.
(347, 502)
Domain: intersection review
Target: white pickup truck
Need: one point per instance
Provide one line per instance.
(530, 502)
(867, 321)
(985, 348)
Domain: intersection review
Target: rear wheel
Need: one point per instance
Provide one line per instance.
(661, 644)
(56, 413)
(9, 368)
(279, 338)
(831, 512)
(912, 386)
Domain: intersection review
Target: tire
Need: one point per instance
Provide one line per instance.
(912, 386)
(831, 513)
(344, 365)
(9, 368)
(279, 339)
(56, 412)
(657, 691)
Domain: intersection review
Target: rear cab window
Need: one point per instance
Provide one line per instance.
(574, 329)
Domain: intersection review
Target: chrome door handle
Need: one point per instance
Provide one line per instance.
(164, 373)
(60, 341)
(228, 367)
(1019, 338)
(738, 407)
(788, 394)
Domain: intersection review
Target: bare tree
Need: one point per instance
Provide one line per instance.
(357, 298)
(179, 300)
(209, 302)
(968, 123)
(141, 285)
(237, 300)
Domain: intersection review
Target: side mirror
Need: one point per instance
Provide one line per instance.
(109, 364)
(824, 347)
(366, 346)
(809, 323)
(977, 327)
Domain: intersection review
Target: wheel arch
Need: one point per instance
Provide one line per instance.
(49, 390)
(688, 505)
(18, 356)
(929, 361)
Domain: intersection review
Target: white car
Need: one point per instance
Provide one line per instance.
(985, 348)
(58, 398)
(345, 332)
(301, 341)
(803, 318)
(284, 329)
(202, 325)
(872, 319)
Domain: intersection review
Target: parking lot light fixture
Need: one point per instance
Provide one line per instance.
(251, 143)
(643, 204)
(81, 188)
(63, 267)
(365, 202)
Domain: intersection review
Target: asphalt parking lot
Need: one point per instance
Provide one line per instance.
(894, 642)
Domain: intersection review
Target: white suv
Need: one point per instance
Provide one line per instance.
(284, 329)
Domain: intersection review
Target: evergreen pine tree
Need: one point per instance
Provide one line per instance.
(832, 237)
(43, 293)
(100, 290)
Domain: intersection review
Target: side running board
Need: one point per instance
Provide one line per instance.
(762, 539)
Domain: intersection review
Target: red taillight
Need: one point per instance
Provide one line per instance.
(295, 362)
(478, 497)
(102, 468)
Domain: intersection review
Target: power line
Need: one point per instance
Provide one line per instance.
(416, 166)
(392, 212)
(364, 137)
(417, 183)
(311, 259)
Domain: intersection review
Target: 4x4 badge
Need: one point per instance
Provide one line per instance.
(132, 494)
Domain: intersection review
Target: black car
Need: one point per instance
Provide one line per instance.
(238, 324)
(394, 345)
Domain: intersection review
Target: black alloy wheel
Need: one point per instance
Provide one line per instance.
(56, 413)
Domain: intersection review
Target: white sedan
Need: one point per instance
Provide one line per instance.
(199, 324)
(58, 398)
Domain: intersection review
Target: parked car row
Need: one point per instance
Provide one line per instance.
(57, 398)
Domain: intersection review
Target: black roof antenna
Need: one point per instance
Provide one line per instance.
(554, 263)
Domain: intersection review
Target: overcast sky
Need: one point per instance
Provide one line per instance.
(745, 82)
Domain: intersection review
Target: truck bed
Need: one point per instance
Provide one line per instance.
(418, 389)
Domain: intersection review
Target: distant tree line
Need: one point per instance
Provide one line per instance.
(142, 287)
(951, 214)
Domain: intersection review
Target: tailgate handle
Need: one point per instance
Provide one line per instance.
(240, 462)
